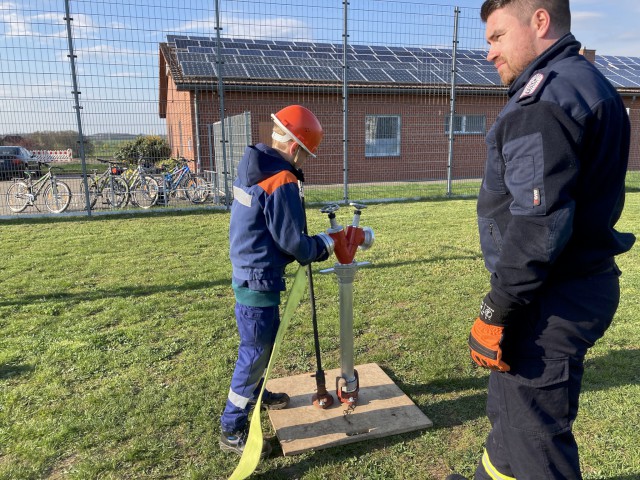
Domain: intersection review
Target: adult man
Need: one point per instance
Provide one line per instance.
(265, 235)
(552, 192)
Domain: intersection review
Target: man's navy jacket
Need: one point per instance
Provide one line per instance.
(553, 187)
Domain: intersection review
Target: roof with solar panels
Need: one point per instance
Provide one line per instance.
(193, 61)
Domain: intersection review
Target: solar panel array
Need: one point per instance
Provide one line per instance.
(280, 61)
(621, 71)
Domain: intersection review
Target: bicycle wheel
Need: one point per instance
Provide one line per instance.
(93, 192)
(196, 188)
(116, 192)
(18, 197)
(57, 196)
(144, 192)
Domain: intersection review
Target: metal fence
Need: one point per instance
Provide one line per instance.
(400, 87)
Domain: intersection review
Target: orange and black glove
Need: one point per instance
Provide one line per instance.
(485, 337)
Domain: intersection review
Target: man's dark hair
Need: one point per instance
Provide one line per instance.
(558, 10)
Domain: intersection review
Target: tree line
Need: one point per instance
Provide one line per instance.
(49, 141)
(151, 147)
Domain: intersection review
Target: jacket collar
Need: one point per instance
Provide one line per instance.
(566, 46)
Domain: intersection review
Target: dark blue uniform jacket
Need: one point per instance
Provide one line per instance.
(267, 221)
(553, 187)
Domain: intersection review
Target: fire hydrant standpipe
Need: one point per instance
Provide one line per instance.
(347, 241)
(346, 275)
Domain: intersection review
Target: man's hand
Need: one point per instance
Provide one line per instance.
(484, 343)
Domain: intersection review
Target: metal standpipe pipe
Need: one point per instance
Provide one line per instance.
(346, 242)
(346, 274)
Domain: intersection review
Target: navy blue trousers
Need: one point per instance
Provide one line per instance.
(532, 407)
(257, 327)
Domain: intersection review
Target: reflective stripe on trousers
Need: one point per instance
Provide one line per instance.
(257, 327)
(491, 470)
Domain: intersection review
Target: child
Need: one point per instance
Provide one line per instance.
(266, 234)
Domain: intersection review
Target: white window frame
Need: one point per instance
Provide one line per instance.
(466, 125)
(383, 146)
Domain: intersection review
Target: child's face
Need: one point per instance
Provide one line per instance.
(300, 156)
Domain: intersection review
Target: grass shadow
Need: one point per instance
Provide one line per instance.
(122, 292)
(616, 368)
(8, 371)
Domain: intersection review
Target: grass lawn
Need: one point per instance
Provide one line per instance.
(117, 342)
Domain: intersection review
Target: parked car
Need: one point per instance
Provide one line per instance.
(15, 160)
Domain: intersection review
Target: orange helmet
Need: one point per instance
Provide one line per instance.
(299, 125)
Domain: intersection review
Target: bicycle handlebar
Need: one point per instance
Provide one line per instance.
(111, 162)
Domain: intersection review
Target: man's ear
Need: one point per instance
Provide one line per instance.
(542, 22)
(293, 147)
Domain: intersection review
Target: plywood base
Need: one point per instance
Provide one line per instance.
(382, 410)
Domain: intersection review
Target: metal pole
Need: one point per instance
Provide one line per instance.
(452, 100)
(214, 172)
(345, 104)
(195, 112)
(247, 127)
(230, 145)
(77, 107)
(321, 399)
(223, 140)
(346, 275)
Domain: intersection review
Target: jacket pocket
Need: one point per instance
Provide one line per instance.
(494, 168)
(490, 242)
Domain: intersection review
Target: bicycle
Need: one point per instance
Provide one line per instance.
(183, 183)
(109, 185)
(143, 188)
(23, 193)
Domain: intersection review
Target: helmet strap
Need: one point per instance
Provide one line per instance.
(295, 157)
(280, 138)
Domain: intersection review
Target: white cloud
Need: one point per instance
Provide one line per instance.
(282, 28)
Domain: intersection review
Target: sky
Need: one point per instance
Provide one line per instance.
(609, 27)
(116, 46)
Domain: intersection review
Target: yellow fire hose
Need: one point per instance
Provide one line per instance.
(253, 448)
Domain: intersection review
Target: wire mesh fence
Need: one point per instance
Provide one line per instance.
(402, 89)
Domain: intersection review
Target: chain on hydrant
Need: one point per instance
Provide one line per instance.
(347, 242)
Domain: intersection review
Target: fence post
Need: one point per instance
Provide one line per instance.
(77, 106)
(223, 140)
(230, 144)
(214, 172)
(197, 119)
(345, 103)
(452, 100)
(247, 127)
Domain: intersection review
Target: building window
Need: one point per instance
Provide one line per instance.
(382, 136)
(466, 124)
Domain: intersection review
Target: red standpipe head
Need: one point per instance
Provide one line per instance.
(340, 247)
(347, 243)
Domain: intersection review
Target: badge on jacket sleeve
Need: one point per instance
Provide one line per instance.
(532, 85)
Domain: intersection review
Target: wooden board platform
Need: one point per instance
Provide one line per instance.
(382, 410)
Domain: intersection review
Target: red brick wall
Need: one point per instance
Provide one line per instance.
(424, 147)
(180, 121)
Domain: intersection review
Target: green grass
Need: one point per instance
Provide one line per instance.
(117, 342)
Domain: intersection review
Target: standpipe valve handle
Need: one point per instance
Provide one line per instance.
(331, 210)
(358, 207)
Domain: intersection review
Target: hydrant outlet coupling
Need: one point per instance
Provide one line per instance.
(369, 238)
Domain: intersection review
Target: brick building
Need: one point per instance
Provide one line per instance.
(399, 103)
